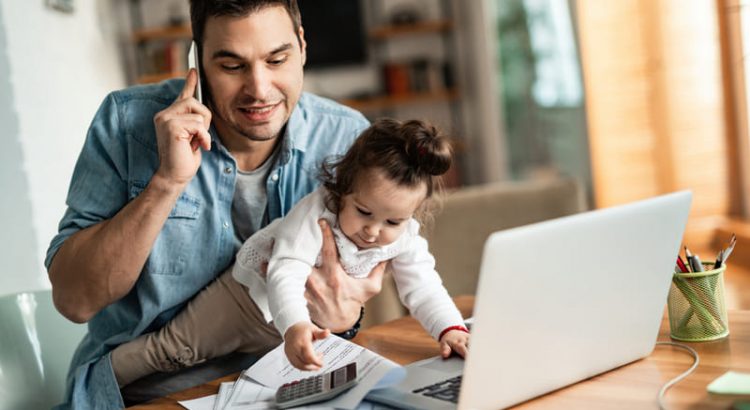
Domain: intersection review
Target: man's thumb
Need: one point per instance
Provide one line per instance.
(378, 271)
(321, 334)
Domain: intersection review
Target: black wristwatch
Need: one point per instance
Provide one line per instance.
(349, 334)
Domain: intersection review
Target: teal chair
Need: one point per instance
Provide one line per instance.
(36, 346)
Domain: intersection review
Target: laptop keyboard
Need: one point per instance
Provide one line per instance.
(445, 390)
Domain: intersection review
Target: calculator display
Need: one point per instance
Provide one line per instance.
(343, 375)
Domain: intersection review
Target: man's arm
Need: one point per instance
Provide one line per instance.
(100, 264)
(333, 297)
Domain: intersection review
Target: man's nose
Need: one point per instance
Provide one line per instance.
(258, 83)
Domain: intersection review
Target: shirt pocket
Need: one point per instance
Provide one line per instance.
(176, 243)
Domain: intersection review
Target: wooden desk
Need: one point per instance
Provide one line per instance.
(633, 386)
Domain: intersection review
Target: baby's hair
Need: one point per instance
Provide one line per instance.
(409, 153)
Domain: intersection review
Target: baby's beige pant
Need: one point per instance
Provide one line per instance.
(221, 319)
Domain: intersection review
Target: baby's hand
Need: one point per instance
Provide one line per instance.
(299, 348)
(456, 341)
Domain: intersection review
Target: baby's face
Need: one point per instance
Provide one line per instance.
(378, 210)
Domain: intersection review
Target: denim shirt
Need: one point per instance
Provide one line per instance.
(197, 242)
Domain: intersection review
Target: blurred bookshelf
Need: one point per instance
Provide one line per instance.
(161, 52)
(415, 81)
(181, 32)
(381, 102)
(416, 28)
(160, 49)
(155, 78)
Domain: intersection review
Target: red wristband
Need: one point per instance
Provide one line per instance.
(448, 329)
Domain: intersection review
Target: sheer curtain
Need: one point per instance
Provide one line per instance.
(541, 89)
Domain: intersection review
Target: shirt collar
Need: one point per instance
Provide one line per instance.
(295, 134)
(295, 131)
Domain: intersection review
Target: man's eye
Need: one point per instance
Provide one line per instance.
(278, 61)
(363, 212)
(231, 67)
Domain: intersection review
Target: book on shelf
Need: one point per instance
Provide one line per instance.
(419, 76)
(166, 57)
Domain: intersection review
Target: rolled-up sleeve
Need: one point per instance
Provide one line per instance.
(98, 189)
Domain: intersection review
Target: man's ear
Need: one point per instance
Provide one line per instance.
(302, 45)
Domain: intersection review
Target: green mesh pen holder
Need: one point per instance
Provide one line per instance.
(697, 312)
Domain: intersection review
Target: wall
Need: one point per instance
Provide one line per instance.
(55, 69)
(18, 242)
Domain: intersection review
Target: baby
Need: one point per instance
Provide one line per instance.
(372, 198)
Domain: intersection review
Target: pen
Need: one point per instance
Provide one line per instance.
(695, 263)
(723, 255)
(719, 259)
(729, 249)
(689, 257)
(681, 265)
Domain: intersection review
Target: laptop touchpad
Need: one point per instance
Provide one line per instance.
(451, 365)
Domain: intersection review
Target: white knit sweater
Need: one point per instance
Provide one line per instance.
(291, 246)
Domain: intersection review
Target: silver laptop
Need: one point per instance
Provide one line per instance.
(557, 302)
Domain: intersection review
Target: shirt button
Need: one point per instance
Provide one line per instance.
(275, 177)
(226, 225)
(228, 170)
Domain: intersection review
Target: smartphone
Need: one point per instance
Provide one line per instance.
(193, 62)
(317, 388)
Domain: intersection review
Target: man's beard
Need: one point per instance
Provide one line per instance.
(256, 137)
(209, 102)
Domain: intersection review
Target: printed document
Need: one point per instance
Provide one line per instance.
(256, 388)
(373, 370)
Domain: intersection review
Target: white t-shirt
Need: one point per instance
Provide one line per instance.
(292, 245)
(250, 200)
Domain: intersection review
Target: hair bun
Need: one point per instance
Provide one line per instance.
(427, 149)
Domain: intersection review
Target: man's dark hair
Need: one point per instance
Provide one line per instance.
(201, 10)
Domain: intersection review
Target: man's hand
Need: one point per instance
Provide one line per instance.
(298, 345)
(99, 265)
(333, 297)
(181, 129)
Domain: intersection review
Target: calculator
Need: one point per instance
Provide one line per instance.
(317, 388)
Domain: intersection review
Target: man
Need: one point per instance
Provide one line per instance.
(166, 189)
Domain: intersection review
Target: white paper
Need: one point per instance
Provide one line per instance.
(225, 390)
(247, 395)
(201, 403)
(373, 370)
(368, 405)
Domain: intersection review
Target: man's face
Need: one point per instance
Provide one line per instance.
(253, 68)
